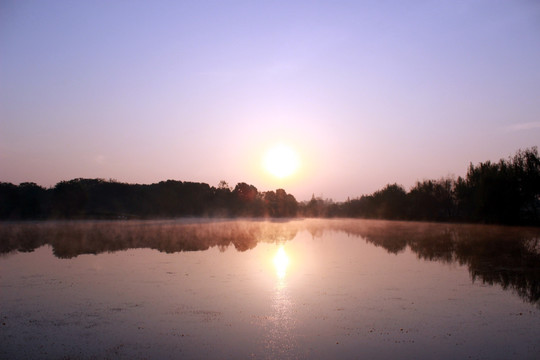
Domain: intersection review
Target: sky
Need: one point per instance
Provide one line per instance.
(365, 92)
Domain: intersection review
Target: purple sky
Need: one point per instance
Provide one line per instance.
(368, 92)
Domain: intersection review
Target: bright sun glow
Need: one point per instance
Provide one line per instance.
(281, 262)
(281, 161)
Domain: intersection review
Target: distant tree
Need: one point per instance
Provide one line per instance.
(280, 204)
(246, 200)
(245, 193)
(31, 201)
(70, 198)
(222, 200)
(431, 200)
(390, 202)
(504, 192)
(223, 185)
(317, 207)
(9, 200)
(526, 168)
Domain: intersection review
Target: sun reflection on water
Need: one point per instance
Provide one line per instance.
(279, 339)
(281, 262)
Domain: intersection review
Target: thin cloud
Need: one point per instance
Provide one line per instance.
(524, 126)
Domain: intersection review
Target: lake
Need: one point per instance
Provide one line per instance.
(290, 289)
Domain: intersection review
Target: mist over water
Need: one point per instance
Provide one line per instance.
(296, 288)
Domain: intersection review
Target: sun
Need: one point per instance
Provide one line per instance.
(281, 161)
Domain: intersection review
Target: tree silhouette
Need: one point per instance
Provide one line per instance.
(506, 192)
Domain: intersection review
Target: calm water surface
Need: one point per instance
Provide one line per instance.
(259, 289)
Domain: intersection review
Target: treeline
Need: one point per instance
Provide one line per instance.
(101, 199)
(506, 192)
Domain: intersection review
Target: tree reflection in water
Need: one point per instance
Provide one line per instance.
(508, 256)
